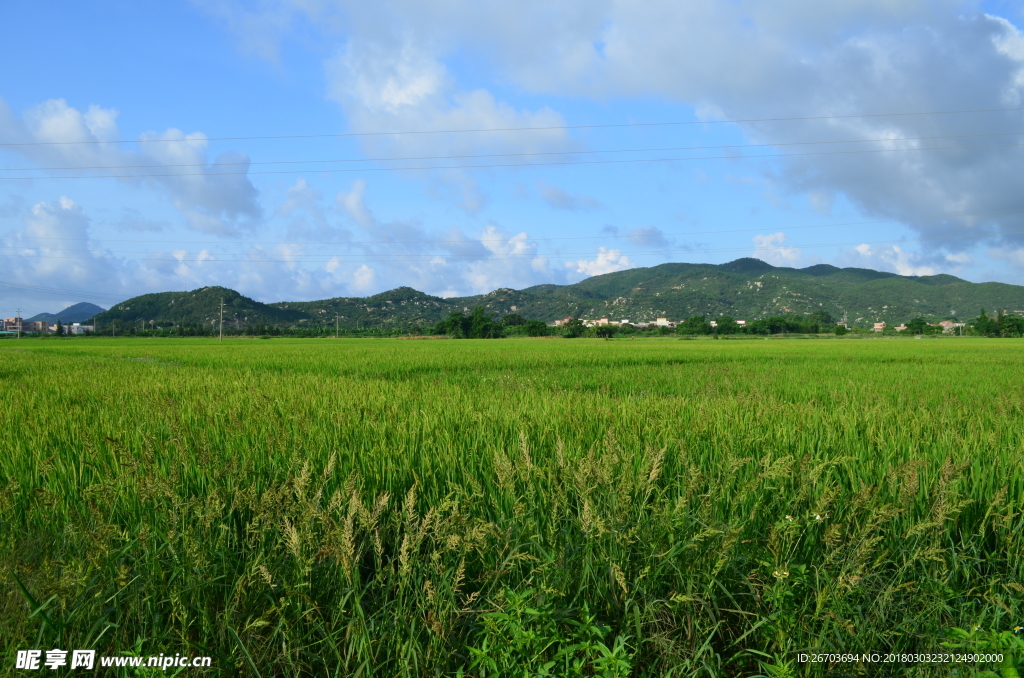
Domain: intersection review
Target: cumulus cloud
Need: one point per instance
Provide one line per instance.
(841, 58)
(387, 78)
(513, 262)
(54, 249)
(560, 199)
(607, 261)
(395, 65)
(1013, 256)
(307, 217)
(769, 248)
(211, 201)
(444, 262)
(364, 278)
(888, 258)
(354, 203)
(301, 196)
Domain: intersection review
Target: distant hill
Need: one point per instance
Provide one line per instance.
(200, 307)
(77, 313)
(743, 289)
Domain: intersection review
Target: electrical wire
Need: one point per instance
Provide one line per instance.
(512, 155)
(520, 129)
(55, 290)
(630, 236)
(507, 165)
(428, 258)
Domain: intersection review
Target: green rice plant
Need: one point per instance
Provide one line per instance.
(400, 508)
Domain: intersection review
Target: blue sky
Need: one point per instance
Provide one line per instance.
(278, 227)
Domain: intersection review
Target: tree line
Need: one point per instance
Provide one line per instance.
(480, 324)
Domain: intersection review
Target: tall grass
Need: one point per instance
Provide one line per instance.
(399, 508)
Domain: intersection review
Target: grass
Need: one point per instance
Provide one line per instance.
(509, 508)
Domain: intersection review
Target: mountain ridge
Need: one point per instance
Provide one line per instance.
(744, 289)
(75, 313)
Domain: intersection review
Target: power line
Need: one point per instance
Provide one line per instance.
(54, 290)
(520, 129)
(512, 155)
(631, 236)
(352, 258)
(506, 165)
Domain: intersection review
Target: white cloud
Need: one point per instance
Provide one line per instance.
(513, 262)
(389, 79)
(394, 67)
(301, 196)
(501, 244)
(741, 59)
(385, 80)
(404, 252)
(211, 202)
(364, 278)
(891, 258)
(607, 261)
(769, 248)
(1014, 256)
(353, 202)
(54, 250)
(960, 258)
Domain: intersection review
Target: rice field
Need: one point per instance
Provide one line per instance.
(512, 507)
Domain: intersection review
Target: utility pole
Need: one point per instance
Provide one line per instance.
(19, 323)
(335, 325)
(222, 320)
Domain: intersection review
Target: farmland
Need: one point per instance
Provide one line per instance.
(506, 508)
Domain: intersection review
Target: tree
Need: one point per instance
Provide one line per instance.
(986, 326)
(455, 325)
(697, 324)
(512, 320)
(1013, 326)
(535, 328)
(477, 325)
(821, 317)
(573, 329)
(918, 326)
(841, 330)
(482, 325)
(605, 331)
(809, 326)
(726, 325)
(60, 328)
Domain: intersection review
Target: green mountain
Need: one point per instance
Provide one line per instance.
(199, 307)
(746, 289)
(76, 313)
